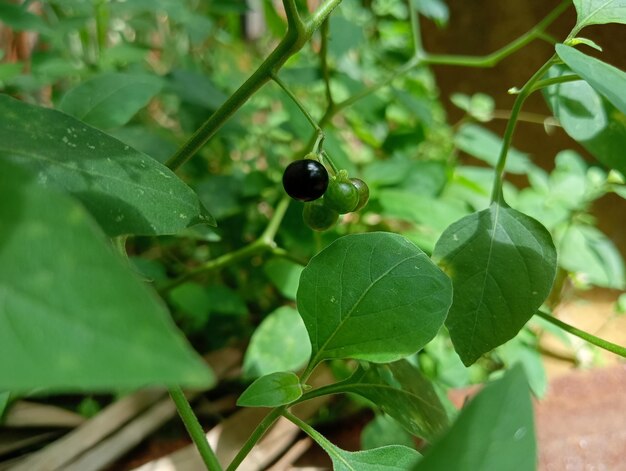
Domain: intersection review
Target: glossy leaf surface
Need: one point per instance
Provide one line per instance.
(494, 432)
(73, 316)
(373, 297)
(126, 192)
(110, 100)
(597, 12)
(272, 390)
(400, 390)
(502, 264)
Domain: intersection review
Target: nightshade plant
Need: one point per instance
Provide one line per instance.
(76, 195)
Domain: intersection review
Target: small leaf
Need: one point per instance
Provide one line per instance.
(502, 264)
(126, 191)
(387, 458)
(606, 79)
(73, 316)
(111, 99)
(585, 41)
(374, 297)
(495, 431)
(597, 12)
(285, 275)
(272, 390)
(589, 118)
(400, 390)
(280, 343)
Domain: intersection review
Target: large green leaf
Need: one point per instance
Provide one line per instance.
(126, 191)
(494, 432)
(272, 390)
(386, 458)
(502, 264)
(606, 79)
(385, 431)
(597, 12)
(589, 119)
(279, 343)
(110, 99)
(373, 297)
(73, 316)
(400, 390)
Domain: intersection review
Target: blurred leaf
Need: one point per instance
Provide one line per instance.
(384, 431)
(110, 99)
(597, 12)
(517, 351)
(402, 392)
(285, 275)
(606, 79)
(479, 106)
(17, 17)
(103, 329)
(485, 145)
(272, 390)
(436, 10)
(4, 402)
(126, 191)
(587, 251)
(196, 88)
(344, 35)
(279, 343)
(191, 299)
(274, 22)
(502, 264)
(374, 297)
(494, 432)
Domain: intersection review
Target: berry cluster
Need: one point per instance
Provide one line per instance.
(325, 197)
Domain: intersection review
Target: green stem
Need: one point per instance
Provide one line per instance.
(294, 40)
(263, 244)
(418, 49)
(554, 81)
(324, 62)
(490, 60)
(496, 194)
(194, 429)
(606, 345)
(320, 439)
(294, 98)
(293, 16)
(256, 435)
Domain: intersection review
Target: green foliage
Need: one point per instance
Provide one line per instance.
(392, 458)
(500, 261)
(380, 308)
(103, 329)
(272, 390)
(494, 431)
(597, 12)
(384, 431)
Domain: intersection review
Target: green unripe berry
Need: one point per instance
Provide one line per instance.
(341, 195)
(363, 190)
(318, 216)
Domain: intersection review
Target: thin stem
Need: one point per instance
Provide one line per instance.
(293, 41)
(496, 194)
(294, 98)
(416, 32)
(320, 439)
(490, 60)
(605, 344)
(554, 81)
(194, 429)
(256, 435)
(527, 117)
(324, 31)
(293, 16)
(263, 244)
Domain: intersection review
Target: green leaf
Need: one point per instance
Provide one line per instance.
(587, 252)
(280, 343)
(374, 297)
(285, 275)
(17, 17)
(272, 390)
(485, 145)
(111, 99)
(606, 79)
(401, 391)
(4, 402)
(587, 42)
(494, 432)
(436, 10)
(598, 12)
(196, 88)
(385, 431)
(387, 458)
(73, 315)
(502, 264)
(126, 191)
(589, 118)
